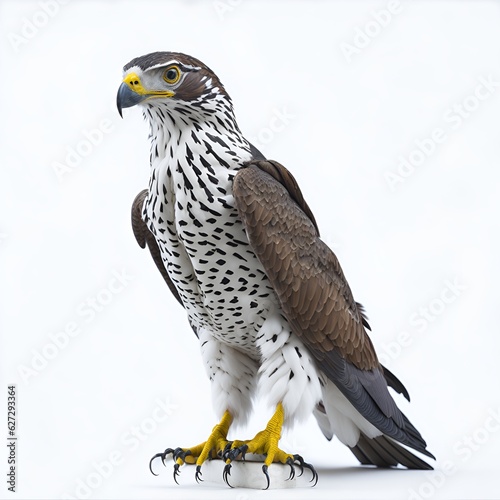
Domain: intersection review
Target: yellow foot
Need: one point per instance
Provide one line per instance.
(214, 446)
(266, 443)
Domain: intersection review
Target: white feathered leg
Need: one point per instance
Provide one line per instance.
(284, 357)
(233, 376)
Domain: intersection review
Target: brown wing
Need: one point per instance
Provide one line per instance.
(314, 294)
(304, 272)
(144, 237)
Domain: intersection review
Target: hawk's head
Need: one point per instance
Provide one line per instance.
(169, 77)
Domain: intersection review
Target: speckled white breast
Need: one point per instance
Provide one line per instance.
(190, 209)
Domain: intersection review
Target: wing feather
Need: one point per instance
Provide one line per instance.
(145, 238)
(304, 272)
(315, 296)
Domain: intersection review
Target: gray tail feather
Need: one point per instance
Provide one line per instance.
(384, 452)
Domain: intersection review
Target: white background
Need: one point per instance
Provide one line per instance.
(350, 119)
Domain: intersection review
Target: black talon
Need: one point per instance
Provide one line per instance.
(227, 448)
(300, 460)
(233, 453)
(314, 473)
(159, 455)
(264, 470)
(292, 469)
(176, 472)
(230, 453)
(304, 465)
(243, 451)
(198, 474)
(182, 454)
(164, 455)
(226, 473)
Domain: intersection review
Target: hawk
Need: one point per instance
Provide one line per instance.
(240, 250)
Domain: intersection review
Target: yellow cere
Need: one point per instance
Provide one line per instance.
(135, 84)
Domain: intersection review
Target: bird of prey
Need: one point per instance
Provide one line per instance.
(239, 248)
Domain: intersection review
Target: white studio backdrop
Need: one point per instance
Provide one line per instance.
(387, 113)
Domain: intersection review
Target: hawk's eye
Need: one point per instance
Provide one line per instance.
(172, 75)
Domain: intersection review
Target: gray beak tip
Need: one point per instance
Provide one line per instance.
(127, 98)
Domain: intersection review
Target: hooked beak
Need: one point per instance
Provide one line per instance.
(127, 98)
(132, 92)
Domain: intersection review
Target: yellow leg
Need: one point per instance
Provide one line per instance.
(217, 441)
(214, 445)
(266, 443)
